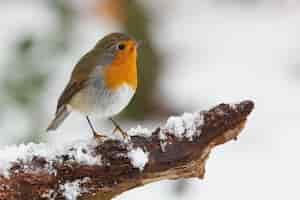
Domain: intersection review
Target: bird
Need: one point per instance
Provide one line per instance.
(102, 83)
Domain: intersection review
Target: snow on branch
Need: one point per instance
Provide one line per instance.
(92, 169)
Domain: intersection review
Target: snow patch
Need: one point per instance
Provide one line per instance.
(138, 158)
(21, 152)
(72, 190)
(140, 131)
(233, 105)
(162, 137)
(50, 194)
(184, 126)
(79, 151)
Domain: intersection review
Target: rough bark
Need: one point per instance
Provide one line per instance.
(180, 158)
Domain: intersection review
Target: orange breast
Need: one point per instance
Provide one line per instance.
(123, 69)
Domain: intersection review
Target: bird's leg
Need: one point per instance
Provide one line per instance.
(114, 131)
(117, 127)
(96, 135)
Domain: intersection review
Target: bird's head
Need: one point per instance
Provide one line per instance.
(120, 46)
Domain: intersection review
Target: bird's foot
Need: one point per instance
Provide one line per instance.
(118, 128)
(124, 134)
(99, 136)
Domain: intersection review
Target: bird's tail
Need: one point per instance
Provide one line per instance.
(60, 116)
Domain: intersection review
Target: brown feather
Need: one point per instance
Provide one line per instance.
(72, 88)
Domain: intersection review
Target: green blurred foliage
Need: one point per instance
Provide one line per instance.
(27, 69)
(23, 82)
(138, 24)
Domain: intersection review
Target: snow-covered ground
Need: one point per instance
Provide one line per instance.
(214, 54)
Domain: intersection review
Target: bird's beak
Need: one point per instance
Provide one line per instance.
(139, 43)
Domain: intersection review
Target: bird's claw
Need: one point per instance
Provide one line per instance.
(124, 134)
(99, 136)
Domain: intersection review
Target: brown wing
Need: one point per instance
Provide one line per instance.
(72, 88)
(81, 73)
(79, 76)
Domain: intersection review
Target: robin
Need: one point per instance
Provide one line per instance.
(102, 82)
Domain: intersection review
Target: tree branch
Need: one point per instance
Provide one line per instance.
(95, 170)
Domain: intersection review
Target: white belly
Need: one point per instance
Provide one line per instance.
(102, 103)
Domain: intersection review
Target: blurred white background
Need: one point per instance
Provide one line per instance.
(211, 51)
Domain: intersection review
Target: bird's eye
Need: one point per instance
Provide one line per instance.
(121, 46)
